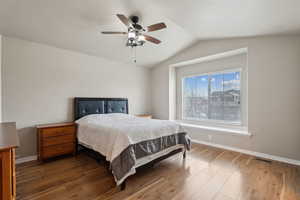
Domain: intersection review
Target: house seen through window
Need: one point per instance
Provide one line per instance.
(214, 97)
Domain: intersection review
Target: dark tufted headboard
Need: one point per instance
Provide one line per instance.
(86, 106)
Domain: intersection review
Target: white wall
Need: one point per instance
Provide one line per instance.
(39, 83)
(273, 93)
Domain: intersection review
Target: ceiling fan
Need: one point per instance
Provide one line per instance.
(136, 33)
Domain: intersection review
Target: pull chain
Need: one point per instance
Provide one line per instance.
(135, 55)
(133, 52)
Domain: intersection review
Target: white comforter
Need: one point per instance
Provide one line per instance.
(110, 134)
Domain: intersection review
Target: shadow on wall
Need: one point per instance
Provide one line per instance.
(70, 109)
(27, 137)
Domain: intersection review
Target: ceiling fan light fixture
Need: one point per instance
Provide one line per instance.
(131, 43)
(131, 35)
(134, 43)
(141, 38)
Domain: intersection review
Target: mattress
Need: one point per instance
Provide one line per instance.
(128, 141)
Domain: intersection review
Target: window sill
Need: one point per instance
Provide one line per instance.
(236, 131)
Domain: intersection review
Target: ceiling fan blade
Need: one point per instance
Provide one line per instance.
(152, 39)
(113, 32)
(123, 19)
(156, 27)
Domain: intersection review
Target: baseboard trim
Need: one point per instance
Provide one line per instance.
(26, 159)
(252, 153)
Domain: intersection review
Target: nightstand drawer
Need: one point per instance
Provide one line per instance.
(58, 131)
(56, 150)
(63, 139)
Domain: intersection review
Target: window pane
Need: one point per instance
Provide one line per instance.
(195, 97)
(212, 97)
(216, 97)
(232, 106)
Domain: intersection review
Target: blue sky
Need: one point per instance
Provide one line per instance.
(198, 85)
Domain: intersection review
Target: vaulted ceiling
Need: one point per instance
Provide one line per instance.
(76, 24)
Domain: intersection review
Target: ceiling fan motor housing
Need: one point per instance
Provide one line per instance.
(134, 19)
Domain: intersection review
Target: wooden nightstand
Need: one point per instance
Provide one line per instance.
(56, 139)
(145, 116)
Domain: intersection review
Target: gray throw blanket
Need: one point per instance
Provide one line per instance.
(123, 165)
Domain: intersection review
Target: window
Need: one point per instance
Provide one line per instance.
(213, 97)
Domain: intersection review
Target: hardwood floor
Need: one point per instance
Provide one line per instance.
(207, 173)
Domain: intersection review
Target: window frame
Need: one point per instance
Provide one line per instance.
(213, 121)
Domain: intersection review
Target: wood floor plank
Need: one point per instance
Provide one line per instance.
(207, 173)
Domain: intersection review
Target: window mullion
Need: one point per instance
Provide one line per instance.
(223, 97)
(208, 98)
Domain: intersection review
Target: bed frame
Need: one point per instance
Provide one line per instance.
(85, 106)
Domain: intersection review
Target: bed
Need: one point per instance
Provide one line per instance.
(127, 142)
